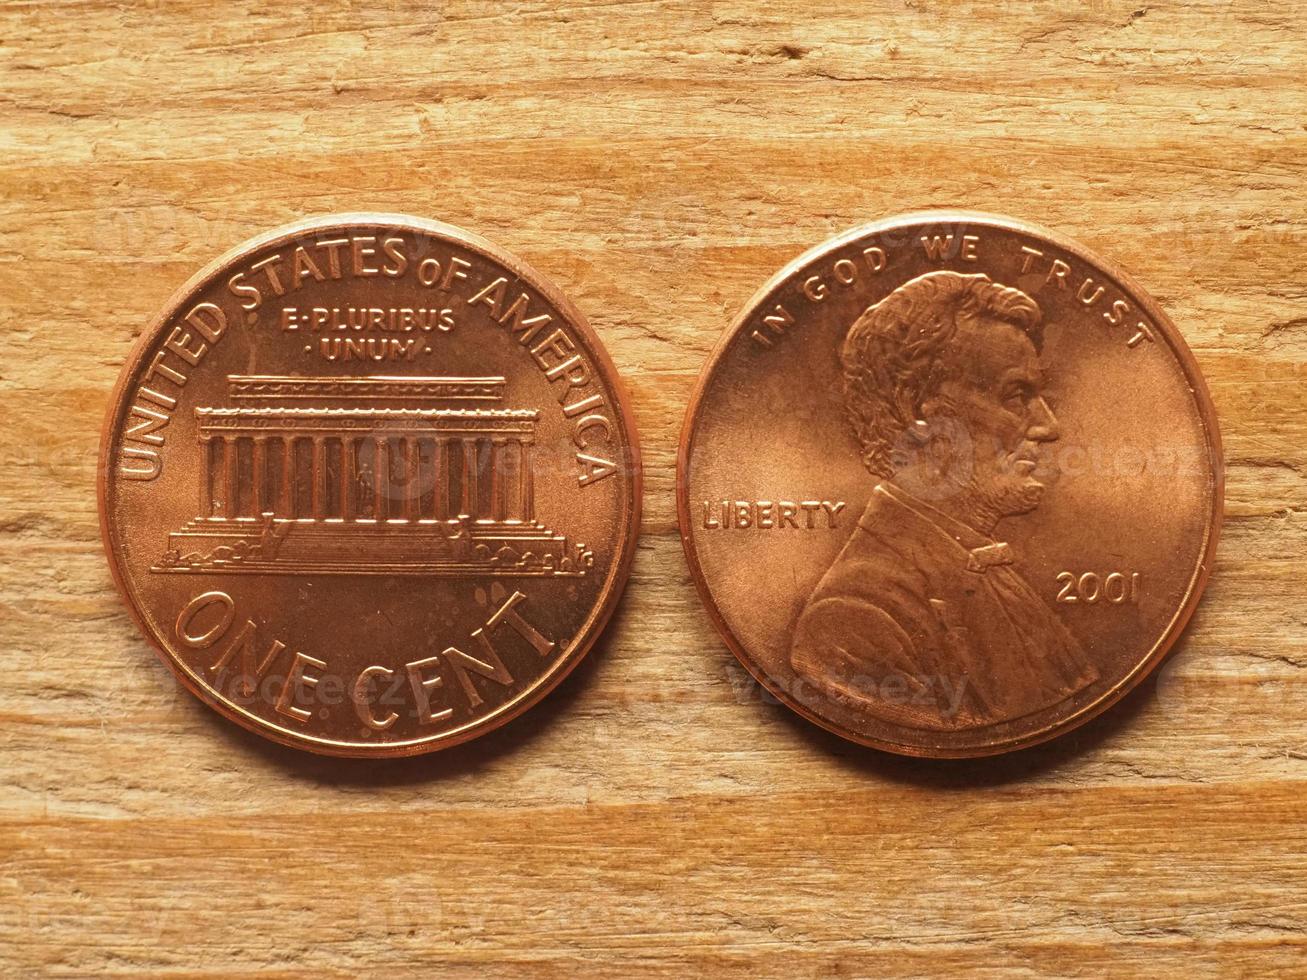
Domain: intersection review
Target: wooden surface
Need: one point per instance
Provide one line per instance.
(658, 160)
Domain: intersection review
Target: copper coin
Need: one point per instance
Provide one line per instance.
(370, 484)
(950, 485)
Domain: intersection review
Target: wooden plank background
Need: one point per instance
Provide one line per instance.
(658, 160)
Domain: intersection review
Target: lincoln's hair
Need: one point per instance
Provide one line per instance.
(897, 353)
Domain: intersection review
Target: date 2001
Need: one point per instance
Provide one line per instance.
(1117, 588)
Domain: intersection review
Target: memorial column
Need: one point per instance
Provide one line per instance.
(318, 491)
(231, 463)
(413, 478)
(497, 459)
(471, 491)
(349, 477)
(441, 502)
(206, 480)
(525, 486)
(260, 475)
(288, 502)
(380, 477)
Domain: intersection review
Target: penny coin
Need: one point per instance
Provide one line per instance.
(370, 484)
(950, 485)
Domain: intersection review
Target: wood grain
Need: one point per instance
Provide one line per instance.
(656, 815)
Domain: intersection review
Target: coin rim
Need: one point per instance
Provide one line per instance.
(585, 636)
(1202, 399)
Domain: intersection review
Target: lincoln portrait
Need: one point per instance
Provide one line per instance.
(923, 619)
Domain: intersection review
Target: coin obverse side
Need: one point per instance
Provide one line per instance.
(951, 485)
(370, 485)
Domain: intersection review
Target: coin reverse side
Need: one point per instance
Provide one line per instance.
(951, 485)
(370, 484)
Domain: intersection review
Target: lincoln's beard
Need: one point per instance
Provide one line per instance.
(1006, 487)
(1009, 495)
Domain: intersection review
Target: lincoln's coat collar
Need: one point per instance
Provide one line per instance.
(981, 552)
